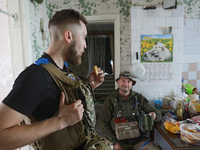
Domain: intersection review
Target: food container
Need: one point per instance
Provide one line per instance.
(190, 133)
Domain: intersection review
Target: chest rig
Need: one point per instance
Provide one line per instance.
(130, 109)
(71, 136)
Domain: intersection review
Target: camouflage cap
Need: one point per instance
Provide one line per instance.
(126, 74)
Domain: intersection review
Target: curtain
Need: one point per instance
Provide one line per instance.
(99, 52)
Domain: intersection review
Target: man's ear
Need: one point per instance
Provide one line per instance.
(68, 36)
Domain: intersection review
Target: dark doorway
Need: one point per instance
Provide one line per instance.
(99, 52)
(100, 49)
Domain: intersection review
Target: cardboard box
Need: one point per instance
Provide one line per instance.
(174, 101)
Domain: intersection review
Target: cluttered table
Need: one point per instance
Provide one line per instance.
(174, 140)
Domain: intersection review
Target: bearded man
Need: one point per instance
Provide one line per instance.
(43, 94)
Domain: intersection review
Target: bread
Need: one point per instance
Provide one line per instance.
(190, 139)
(190, 133)
(95, 70)
(191, 130)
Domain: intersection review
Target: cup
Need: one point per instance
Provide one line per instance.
(148, 122)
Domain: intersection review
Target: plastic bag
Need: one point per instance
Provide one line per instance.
(196, 119)
(190, 133)
(186, 107)
(189, 89)
(172, 125)
(194, 108)
(169, 115)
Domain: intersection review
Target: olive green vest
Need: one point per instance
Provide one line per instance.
(71, 136)
(130, 109)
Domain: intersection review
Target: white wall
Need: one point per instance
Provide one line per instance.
(144, 22)
(5, 66)
(191, 52)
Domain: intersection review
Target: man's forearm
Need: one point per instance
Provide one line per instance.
(21, 135)
(108, 132)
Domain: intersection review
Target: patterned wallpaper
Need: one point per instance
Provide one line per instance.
(191, 7)
(98, 7)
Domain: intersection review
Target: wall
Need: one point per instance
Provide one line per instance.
(99, 7)
(40, 41)
(5, 66)
(191, 52)
(147, 22)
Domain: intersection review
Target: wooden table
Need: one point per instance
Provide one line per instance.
(174, 140)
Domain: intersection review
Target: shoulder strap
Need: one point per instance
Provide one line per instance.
(135, 103)
(53, 70)
(58, 76)
(114, 101)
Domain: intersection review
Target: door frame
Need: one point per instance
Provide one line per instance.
(19, 36)
(115, 19)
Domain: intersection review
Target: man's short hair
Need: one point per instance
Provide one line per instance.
(67, 16)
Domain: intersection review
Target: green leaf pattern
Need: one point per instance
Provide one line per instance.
(91, 7)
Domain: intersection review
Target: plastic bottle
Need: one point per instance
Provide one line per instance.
(158, 99)
(179, 111)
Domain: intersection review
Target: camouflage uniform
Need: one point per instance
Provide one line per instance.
(109, 114)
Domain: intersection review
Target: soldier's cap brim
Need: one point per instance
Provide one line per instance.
(126, 75)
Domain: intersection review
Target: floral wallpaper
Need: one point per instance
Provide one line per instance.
(40, 43)
(91, 7)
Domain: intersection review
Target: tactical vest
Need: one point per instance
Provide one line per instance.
(71, 136)
(130, 109)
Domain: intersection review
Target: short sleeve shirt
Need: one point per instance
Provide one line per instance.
(35, 93)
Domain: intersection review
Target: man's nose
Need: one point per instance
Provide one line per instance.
(125, 82)
(85, 45)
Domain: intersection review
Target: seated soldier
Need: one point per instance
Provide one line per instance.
(123, 102)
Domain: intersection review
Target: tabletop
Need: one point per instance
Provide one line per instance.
(174, 140)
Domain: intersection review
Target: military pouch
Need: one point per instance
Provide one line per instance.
(97, 143)
(127, 130)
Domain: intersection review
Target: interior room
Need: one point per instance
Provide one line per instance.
(122, 24)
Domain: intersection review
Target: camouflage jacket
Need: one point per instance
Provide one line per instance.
(110, 112)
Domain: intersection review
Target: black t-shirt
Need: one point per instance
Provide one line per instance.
(35, 93)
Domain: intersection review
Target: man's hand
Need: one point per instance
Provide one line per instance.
(13, 135)
(153, 114)
(96, 80)
(70, 114)
(117, 146)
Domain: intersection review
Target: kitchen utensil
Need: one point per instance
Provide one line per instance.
(137, 69)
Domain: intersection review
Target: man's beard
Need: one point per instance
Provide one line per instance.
(72, 55)
(126, 90)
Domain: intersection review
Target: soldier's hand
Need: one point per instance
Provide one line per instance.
(153, 114)
(70, 114)
(96, 80)
(117, 146)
